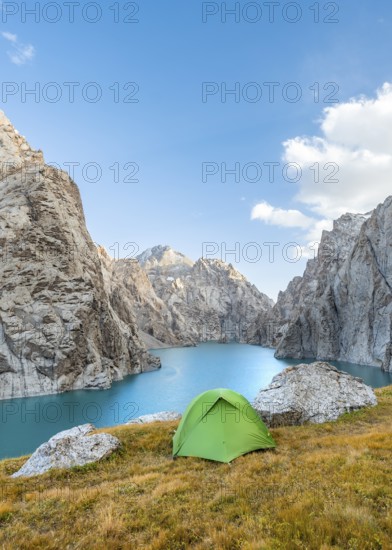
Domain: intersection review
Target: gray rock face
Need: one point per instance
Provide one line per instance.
(347, 314)
(154, 318)
(162, 258)
(200, 301)
(309, 294)
(178, 302)
(74, 447)
(156, 417)
(362, 292)
(313, 393)
(60, 328)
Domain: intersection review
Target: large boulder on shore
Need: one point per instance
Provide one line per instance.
(74, 447)
(156, 417)
(316, 393)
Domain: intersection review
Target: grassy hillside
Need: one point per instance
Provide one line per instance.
(326, 486)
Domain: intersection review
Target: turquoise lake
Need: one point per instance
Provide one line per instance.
(186, 372)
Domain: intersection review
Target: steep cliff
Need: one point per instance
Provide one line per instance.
(345, 297)
(60, 328)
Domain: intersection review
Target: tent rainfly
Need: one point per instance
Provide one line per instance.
(220, 425)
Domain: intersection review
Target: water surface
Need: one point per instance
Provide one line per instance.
(186, 372)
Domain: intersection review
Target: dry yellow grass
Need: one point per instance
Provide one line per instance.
(324, 487)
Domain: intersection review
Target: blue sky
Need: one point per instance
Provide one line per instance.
(170, 132)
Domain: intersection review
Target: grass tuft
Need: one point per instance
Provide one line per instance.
(324, 487)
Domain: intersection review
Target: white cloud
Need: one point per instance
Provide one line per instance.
(20, 53)
(356, 139)
(354, 148)
(9, 36)
(278, 216)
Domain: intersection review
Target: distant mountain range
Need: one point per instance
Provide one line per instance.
(198, 301)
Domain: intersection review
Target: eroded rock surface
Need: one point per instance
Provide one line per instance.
(156, 417)
(315, 393)
(345, 302)
(74, 447)
(60, 328)
(308, 293)
(201, 301)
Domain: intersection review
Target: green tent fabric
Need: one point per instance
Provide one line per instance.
(220, 425)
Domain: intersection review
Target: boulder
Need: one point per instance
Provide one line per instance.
(156, 417)
(74, 447)
(316, 393)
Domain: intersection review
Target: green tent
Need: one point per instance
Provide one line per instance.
(220, 425)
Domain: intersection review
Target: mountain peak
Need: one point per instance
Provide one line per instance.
(14, 148)
(162, 256)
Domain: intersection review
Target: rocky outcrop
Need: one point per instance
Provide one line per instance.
(154, 318)
(203, 300)
(309, 292)
(60, 327)
(164, 416)
(362, 293)
(74, 447)
(314, 393)
(268, 330)
(347, 315)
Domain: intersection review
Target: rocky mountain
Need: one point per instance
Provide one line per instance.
(154, 318)
(63, 325)
(161, 258)
(341, 308)
(183, 302)
(300, 294)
